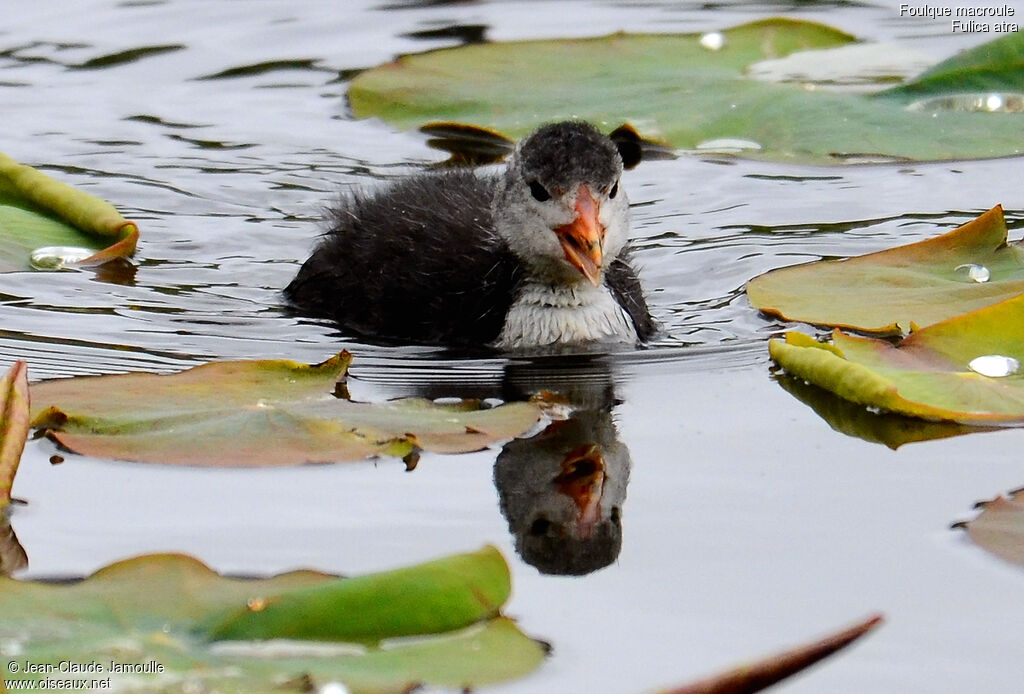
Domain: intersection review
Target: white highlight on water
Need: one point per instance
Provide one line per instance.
(975, 273)
(57, 257)
(713, 41)
(729, 145)
(994, 365)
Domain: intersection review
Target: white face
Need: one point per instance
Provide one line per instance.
(527, 212)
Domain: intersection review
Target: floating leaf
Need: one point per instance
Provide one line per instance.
(999, 528)
(996, 66)
(269, 412)
(928, 374)
(762, 674)
(685, 89)
(155, 610)
(367, 609)
(14, 415)
(915, 285)
(37, 212)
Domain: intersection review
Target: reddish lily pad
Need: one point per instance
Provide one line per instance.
(255, 413)
(935, 373)
(38, 212)
(891, 291)
(14, 415)
(762, 674)
(999, 528)
(169, 616)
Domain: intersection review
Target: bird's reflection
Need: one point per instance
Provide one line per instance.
(562, 493)
(562, 490)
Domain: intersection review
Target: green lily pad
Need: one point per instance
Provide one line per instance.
(249, 413)
(935, 373)
(14, 415)
(680, 89)
(999, 528)
(38, 212)
(146, 623)
(894, 290)
(996, 66)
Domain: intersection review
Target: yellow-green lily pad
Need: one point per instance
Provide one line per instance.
(693, 91)
(49, 225)
(255, 413)
(965, 369)
(891, 291)
(167, 622)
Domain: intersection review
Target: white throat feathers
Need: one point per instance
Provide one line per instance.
(544, 315)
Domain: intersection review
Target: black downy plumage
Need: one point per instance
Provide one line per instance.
(442, 258)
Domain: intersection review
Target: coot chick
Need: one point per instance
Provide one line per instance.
(533, 256)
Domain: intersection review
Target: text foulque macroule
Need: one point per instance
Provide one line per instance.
(966, 19)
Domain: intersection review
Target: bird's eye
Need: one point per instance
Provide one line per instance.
(540, 527)
(539, 192)
(614, 191)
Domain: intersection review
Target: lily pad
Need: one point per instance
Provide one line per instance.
(253, 413)
(999, 528)
(943, 372)
(146, 623)
(14, 415)
(38, 212)
(894, 290)
(992, 67)
(685, 89)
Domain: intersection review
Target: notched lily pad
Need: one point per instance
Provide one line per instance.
(947, 371)
(48, 225)
(689, 90)
(471, 145)
(255, 413)
(173, 612)
(891, 291)
(999, 528)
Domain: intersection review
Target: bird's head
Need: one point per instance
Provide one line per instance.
(560, 205)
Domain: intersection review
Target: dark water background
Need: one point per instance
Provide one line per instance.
(748, 523)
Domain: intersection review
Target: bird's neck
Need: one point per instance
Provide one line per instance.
(558, 314)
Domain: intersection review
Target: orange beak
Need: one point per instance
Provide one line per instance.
(582, 480)
(583, 238)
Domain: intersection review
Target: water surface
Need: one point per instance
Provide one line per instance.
(746, 524)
